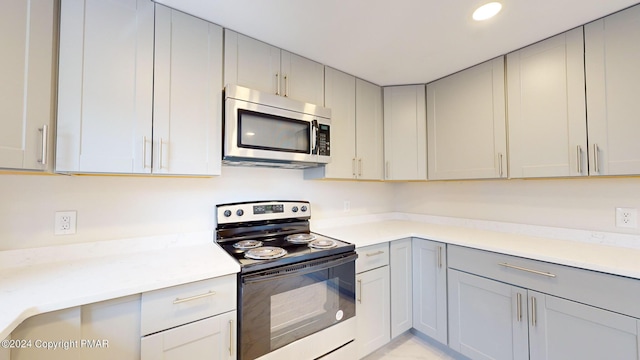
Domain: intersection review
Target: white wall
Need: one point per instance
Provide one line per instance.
(587, 204)
(112, 207)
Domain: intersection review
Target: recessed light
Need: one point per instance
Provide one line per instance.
(487, 11)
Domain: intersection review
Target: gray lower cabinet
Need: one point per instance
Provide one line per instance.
(564, 329)
(430, 288)
(484, 321)
(400, 271)
(497, 309)
(372, 299)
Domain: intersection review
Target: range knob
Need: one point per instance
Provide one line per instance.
(227, 213)
(294, 209)
(303, 208)
(240, 212)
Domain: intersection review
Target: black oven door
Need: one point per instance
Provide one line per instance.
(281, 305)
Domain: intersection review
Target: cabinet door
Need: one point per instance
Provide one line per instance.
(430, 289)
(116, 321)
(401, 288)
(563, 329)
(612, 54)
(369, 131)
(405, 133)
(546, 108)
(105, 86)
(187, 94)
(251, 63)
(466, 124)
(340, 97)
(58, 327)
(372, 309)
(302, 79)
(211, 338)
(487, 319)
(26, 83)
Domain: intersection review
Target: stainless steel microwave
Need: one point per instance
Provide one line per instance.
(262, 129)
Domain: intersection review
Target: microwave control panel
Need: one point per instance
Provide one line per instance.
(324, 148)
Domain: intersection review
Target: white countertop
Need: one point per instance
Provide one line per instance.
(604, 258)
(35, 281)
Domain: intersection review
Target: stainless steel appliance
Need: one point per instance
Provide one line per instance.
(296, 289)
(264, 129)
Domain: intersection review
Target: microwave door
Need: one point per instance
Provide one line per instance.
(260, 132)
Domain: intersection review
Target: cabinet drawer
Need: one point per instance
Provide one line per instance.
(612, 292)
(166, 308)
(371, 257)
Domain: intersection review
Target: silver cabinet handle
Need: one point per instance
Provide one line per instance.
(440, 257)
(387, 170)
(579, 159)
(161, 146)
(548, 274)
(144, 152)
(286, 86)
(375, 253)
(277, 83)
(230, 337)
(360, 167)
(360, 291)
(500, 164)
(191, 298)
(595, 158)
(519, 306)
(45, 137)
(533, 311)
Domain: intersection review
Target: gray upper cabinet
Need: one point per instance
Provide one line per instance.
(27, 65)
(187, 107)
(466, 124)
(134, 99)
(369, 132)
(612, 55)
(546, 108)
(405, 133)
(257, 65)
(105, 87)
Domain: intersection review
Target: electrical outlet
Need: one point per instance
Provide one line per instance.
(65, 223)
(347, 206)
(627, 218)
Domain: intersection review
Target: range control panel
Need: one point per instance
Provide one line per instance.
(262, 210)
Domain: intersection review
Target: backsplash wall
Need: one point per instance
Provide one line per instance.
(586, 204)
(112, 207)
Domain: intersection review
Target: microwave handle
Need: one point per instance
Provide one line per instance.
(314, 136)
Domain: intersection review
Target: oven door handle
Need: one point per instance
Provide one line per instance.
(298, 269)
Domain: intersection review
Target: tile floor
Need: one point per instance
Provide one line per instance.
(410, 347)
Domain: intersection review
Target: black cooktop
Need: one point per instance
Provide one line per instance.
(295, 252)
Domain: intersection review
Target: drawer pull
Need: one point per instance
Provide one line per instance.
(178, 300)
(360, 292)
(375, 253)
(528, 270)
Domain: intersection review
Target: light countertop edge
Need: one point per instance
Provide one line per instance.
(82, 274)
(602, 258)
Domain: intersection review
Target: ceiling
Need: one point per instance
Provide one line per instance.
(392, 42)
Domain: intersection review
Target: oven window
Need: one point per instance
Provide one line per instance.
(295, 311)
(270, 132)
